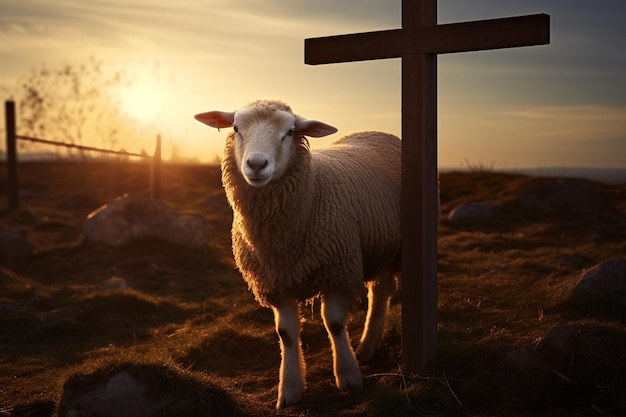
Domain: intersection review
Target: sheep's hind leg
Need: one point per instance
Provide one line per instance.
(292, 367)
(334, 313)
(379, 294)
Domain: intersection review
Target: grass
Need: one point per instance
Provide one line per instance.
(188, 321)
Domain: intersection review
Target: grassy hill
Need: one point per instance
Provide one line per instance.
(504, 283)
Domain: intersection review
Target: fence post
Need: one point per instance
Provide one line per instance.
(12, 188)
(155, 186)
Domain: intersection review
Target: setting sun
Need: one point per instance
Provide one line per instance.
(143, 101)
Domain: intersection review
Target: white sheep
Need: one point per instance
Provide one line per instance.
(312, 222)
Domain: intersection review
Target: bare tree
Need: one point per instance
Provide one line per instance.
(72, 103)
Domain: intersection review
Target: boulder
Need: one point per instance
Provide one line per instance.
(128, 389)
(120, 395)
(131, 218)
(602, 288)
(571, 367)
(586, 353)
(473, 211)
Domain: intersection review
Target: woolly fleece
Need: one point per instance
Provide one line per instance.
(331, 222)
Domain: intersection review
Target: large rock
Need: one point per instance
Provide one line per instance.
(143, 390)
(585, 353)
(473, 211)
(570, 368)
(603, 288)
(131, 218)
(121, 395)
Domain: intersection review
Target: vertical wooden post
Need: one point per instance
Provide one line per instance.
(418, 43)
(12, 185)
(155, 178)
(419, 195)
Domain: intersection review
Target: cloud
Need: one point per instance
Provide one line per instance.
(535, 136)
(569, 124)
(225, 53)
(200, 26)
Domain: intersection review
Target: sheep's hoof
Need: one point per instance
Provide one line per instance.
(286, 399)
(283, 403)
(349, 380)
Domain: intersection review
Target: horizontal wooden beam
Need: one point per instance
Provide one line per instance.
(440, 39)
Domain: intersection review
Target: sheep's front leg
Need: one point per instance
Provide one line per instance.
(292, 366)
(378, 296)
(334, 313)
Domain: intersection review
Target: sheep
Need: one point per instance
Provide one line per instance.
(307, 223)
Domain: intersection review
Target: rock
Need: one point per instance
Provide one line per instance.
(472, 211)
(121, 395)
(130, 218)
(131, 389)
(562, 195)
(14, 243)
(586, 353)
(602, 287)
(113, 283)
(605, 279)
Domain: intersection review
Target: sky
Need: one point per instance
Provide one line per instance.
(559, 105)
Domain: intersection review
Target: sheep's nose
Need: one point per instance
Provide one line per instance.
(257, 163)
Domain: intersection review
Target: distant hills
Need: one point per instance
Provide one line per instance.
(607, 175)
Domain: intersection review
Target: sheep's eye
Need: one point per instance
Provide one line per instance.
(236, 129)
(289, 133)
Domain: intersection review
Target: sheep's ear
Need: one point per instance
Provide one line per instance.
(313, 128)
(217, 119)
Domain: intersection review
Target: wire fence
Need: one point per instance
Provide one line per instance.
(80, 147)
(12, 162)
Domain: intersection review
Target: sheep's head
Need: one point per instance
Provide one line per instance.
(265, 134)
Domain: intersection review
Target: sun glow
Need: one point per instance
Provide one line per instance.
(143, 101)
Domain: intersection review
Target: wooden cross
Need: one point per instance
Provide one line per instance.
(418, 43)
